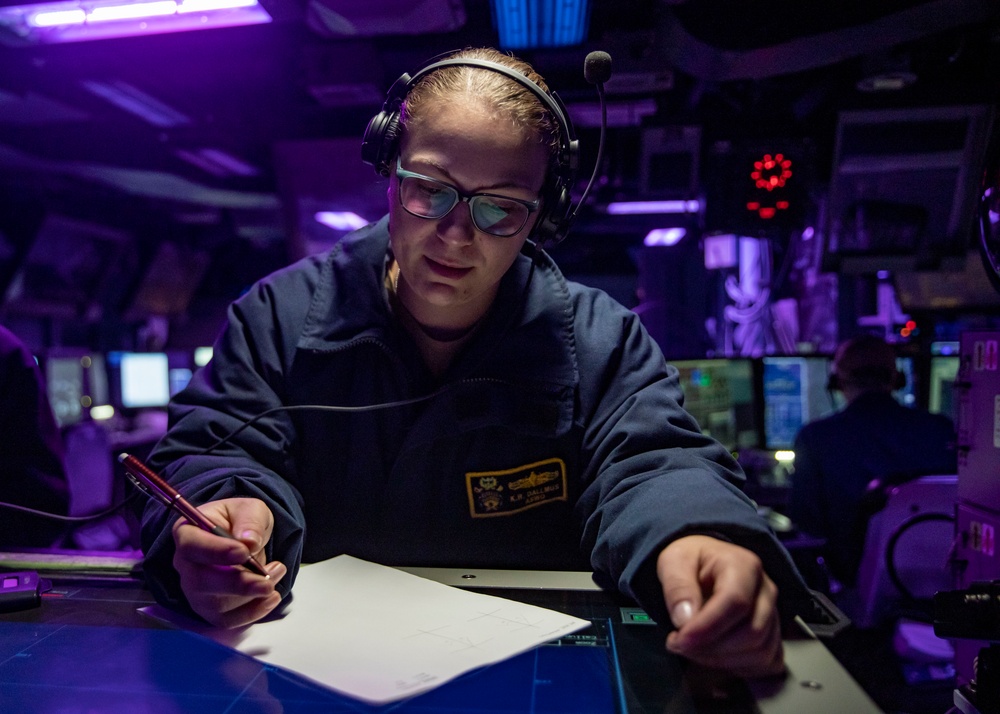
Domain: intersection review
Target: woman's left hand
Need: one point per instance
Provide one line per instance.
(723, 606)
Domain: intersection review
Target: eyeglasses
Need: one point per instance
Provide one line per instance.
(425, 197)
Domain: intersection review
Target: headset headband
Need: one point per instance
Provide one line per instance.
(550, 100)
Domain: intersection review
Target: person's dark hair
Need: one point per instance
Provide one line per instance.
(868, 363)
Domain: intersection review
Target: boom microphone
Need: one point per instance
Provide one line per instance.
(597, 70)
(597, 67)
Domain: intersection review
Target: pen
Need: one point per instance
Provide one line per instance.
(147, 481)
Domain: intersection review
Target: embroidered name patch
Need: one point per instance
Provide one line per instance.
(503, 493)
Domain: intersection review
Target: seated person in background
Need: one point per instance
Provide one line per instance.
(32, 469)
(873, 439)
(525, 421)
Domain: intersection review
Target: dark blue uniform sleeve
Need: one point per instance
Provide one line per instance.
(654, 477)
(239, 384)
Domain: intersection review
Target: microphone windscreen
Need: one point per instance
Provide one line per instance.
(597, 67)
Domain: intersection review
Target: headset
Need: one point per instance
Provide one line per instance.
(381, 143)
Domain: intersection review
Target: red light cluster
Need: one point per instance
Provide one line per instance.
(771, 172)
(767, 211)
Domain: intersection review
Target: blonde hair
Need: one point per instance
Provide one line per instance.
(508, 98)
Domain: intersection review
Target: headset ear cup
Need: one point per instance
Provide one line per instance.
(382, 133)
(553, 225)
(379, 142)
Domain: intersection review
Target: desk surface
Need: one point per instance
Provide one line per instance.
(141, 657)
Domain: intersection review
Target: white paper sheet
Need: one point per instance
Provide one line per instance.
(379, 634)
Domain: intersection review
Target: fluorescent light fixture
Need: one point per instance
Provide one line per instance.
(627, 208)
(110, 13)
(208, 5)
(54, 18)
(135, 101)
(234, 166)
(523, 24)
(217, 162)
(664, 236)
(341, 220)
(78, 20)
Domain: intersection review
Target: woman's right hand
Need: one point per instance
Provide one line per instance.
(216, 587)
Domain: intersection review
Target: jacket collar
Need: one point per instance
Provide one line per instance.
(349, 300)
(530, 333)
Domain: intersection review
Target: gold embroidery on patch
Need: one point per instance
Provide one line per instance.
(504, 493)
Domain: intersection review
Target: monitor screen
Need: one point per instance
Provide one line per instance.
(940, 397)
(64, 386)
(179, 378)
(719, 394)
(945, 347)
(74, 381)
(151, 669)
(795, 393)
(143, 378)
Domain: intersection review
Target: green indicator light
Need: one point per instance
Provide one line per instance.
(636, 616)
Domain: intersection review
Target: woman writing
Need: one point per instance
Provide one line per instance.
(501, 416)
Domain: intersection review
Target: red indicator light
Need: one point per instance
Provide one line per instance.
(771, 172)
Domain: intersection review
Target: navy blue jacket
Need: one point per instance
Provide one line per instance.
(556, 439)
(874, 438)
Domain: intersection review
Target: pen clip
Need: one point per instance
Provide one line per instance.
(151, 492)
(147, 481)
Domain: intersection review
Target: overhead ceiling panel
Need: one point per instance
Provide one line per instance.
(372, 18)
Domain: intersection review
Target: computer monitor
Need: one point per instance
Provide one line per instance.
(181, 365)
(795, 393)
(940, 397)
(75, 380)
(179, 378)
(945, 348)
(719, 394)
(141, 379)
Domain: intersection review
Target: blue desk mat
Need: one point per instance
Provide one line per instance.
(71, 668)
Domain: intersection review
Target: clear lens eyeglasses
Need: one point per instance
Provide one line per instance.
(425, 197)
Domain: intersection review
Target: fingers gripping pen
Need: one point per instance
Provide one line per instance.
(150, 483)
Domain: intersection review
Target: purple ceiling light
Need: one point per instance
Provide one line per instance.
(80, 20)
